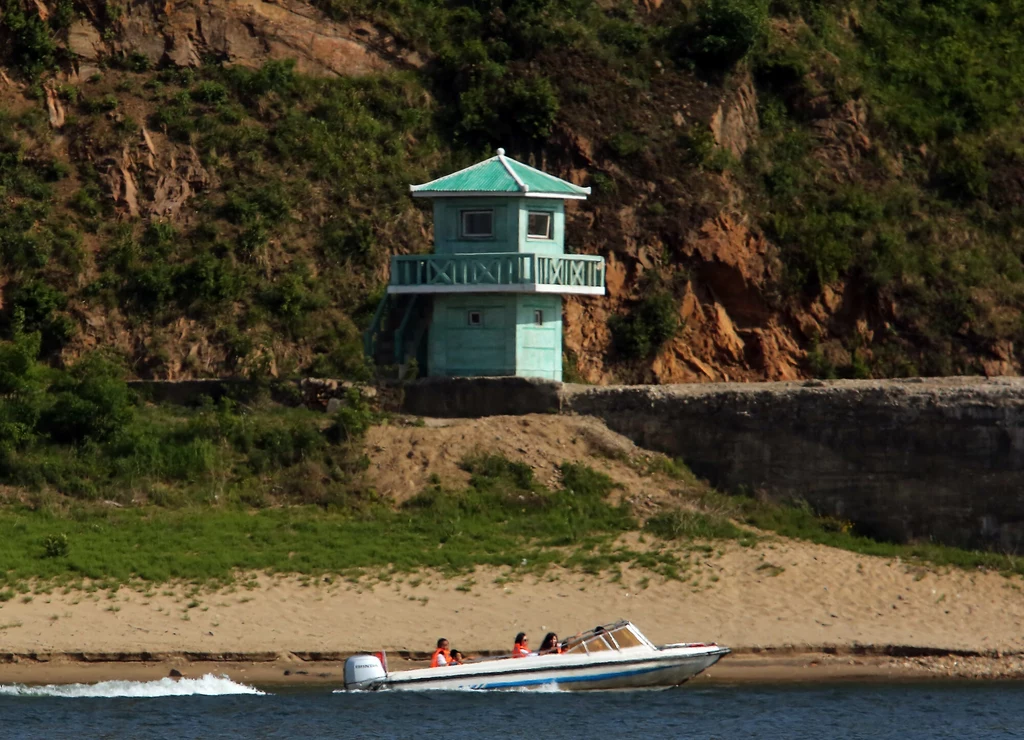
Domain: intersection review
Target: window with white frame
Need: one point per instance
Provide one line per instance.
(477, 224)
(538, 225)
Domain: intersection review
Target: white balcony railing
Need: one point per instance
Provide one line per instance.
(508, 272)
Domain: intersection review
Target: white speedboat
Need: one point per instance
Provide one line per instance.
(615, 656)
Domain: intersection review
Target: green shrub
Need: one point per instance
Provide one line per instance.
(90, 401)
(960, 171)
(585, 482)
(353, 419)
(209, 92)
(629, 36)
(23, 251)
(98, 105)
(208, 281)
(338, 353)
(725, 31)
(64, 15)
(534, 103)
(56, 546)
(703, 151)
(19, 372)
(677, 524)
(268, 202)
(486, 469)
(159, 238)
(31, 46)
(176, 118)
(86, 201)
(647, 327)
(150, 288)
(508, 107)
(274, 76)
(348, 239)
(626, 144)
(34, 302)
(292, 295)
(282, 447)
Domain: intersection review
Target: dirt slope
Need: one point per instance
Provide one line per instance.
(404, 458)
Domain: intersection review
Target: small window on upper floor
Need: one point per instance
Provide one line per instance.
(477, 224)
(475, 318)
(538, 317)
(538, 225)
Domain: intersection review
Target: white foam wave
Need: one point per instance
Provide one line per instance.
(208, 685)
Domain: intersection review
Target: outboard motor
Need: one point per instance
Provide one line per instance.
(364, 672)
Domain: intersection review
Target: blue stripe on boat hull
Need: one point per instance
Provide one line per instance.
(593, 678)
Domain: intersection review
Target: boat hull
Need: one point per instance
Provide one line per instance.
(652, 669)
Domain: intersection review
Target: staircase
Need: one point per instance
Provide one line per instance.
(397, 336)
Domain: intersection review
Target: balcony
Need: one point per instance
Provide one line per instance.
(509, 272)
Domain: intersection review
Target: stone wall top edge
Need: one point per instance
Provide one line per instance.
(958, 386)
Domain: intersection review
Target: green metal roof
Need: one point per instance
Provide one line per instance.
(500, 175)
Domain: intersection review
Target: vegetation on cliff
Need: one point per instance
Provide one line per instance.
(227, 220)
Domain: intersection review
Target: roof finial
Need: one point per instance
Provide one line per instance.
(501, 152)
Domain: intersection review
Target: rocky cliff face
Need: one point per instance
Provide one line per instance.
(246, 32)
(286, 224)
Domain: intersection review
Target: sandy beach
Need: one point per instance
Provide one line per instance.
(790, 611)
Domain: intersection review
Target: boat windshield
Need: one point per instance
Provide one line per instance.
(618, 636)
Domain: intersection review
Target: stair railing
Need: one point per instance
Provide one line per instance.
(400, 353)
(372, 332)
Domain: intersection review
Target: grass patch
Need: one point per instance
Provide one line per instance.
(503, 518)
(800, 523)
(689, 525)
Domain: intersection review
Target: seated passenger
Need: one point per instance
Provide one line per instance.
(441, 657)
(572, 642)
(550, 644)
(455, 657)
(521, 650)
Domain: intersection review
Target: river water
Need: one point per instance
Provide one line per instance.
(217, 708)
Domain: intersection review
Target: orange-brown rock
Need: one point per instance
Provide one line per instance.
(735, 123)
(246, 32)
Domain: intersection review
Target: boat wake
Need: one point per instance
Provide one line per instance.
(208, 685)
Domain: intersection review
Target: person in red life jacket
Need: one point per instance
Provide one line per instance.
(441, 656)
(521, 650)
(550, 644)
(455, 658)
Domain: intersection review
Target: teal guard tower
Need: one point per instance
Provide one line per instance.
(488, 300)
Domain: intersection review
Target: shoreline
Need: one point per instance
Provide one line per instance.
(746, 665)
(790, 612)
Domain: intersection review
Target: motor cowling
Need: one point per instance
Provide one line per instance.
(363, 672)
